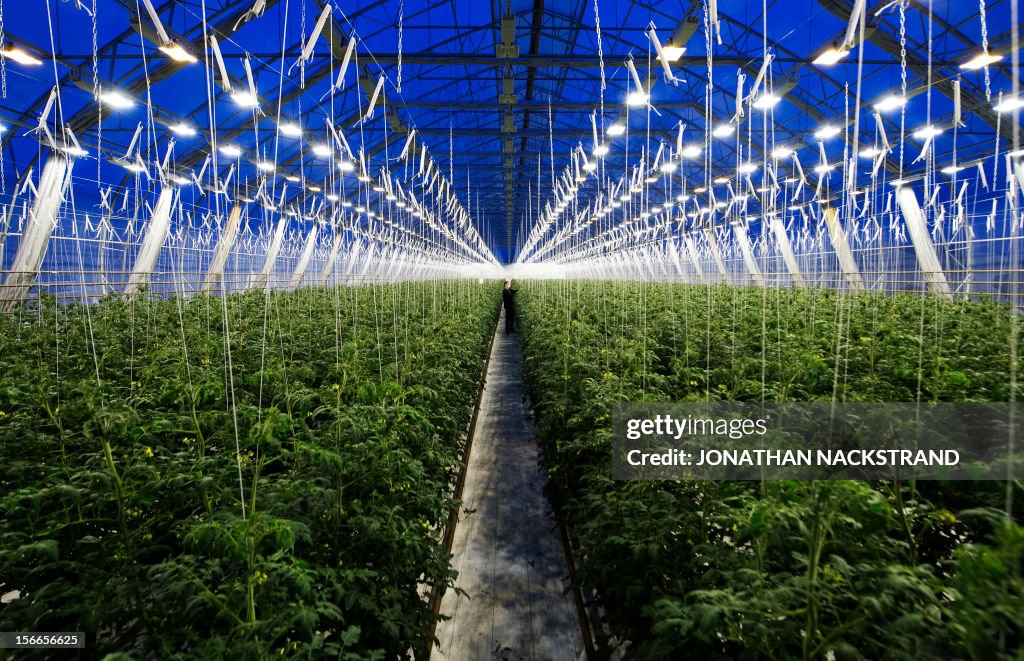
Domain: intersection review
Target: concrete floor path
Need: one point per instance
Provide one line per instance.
(507, 548)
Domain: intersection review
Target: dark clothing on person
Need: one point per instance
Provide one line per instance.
(509, 301)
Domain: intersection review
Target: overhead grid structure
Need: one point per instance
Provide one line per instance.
(239, 144)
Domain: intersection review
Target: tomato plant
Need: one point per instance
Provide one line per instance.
(262, 475)
(774, 569)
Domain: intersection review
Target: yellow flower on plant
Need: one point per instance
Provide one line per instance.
(149, 451)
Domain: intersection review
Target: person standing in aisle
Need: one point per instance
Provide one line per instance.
(509, 301)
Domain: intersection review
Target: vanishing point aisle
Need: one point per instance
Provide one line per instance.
(507, 550)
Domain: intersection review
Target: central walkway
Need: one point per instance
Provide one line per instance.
(507, 547)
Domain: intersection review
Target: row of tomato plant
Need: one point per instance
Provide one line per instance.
(782, 569)
(257, 475)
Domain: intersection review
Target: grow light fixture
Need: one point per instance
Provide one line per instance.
(322, 150)
(827, 131)
(116, 99)
(870, 152)
(616, 129)
(682, 197)
(700, 189)
(747, 168)
(231, 151)
(590, 166)
(926, 132)
(952, 169)
(173, 50)
(134, 166)
(721, 180)
(782, 152)
(830, 56)
(182, 129)
(637, 99)
(180, 180)
(691, 151)
(292, 178)
(651, 179)
(1009, 104)
(668, 167)
(20, 55)
(625, 197)
(673, 53)
(291, 130)
(719, 205)
(824, 168)
(313, 189)
(266, 166)
(74, 150)
(767, 101)
(245, 99)
(980, 61)
(723, 130)
(891, 102)
(378, 188)
(346, 165)
(601, 150)
(347, 204)
(363, 177)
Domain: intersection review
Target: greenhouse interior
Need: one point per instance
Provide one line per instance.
(573, 330)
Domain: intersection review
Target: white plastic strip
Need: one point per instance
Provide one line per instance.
(740, 232)
(225, 78)
(262, 279)
(927, 258)
(851, 28)
(345, 62)
(786, 249)
(307, 254)
(669, 76)
(842, 247)
(373, 99)
(164, 39)
(223, 250)
(39, 224)
(156, 234)
(307, 51)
